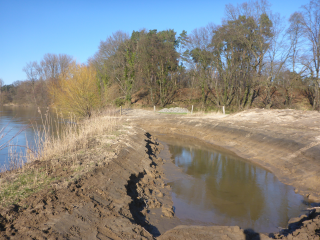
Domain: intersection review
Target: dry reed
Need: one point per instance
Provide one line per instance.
(55, 138)
(59, 136)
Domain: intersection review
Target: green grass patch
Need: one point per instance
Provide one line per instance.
(23, 186)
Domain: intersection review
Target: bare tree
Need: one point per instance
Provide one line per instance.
(33, 72)
(52, 65)
(294, 35)
(276, 58)
(39, 75)
(309, 21)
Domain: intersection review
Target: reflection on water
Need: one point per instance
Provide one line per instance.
(225, 190)
(13, 119)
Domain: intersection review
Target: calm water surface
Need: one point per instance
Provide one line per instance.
(223, 189)
(13, 119)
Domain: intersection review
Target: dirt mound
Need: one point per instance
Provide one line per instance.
(104, 203)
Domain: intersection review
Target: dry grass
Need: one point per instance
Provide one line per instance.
(61, 137)
(65, 149)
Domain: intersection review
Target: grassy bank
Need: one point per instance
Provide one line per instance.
(61, 156)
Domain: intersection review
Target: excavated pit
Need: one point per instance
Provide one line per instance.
(106, 202)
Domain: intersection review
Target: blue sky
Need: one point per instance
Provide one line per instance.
(30, 28)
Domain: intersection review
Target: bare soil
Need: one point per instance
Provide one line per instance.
(108, 202)
(123, 195)
(286, 142)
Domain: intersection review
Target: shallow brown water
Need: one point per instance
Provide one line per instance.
(210, 187)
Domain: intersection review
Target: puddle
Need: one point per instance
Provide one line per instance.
(212, 187)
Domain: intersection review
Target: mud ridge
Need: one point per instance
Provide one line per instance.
(148, 191)
(110, 202)
(303, 227)
(139, 204)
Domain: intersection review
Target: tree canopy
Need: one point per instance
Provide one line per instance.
(253, 54)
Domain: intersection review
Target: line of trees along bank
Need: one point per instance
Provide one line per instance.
(40, 75)
(148, 59)
(254, 54)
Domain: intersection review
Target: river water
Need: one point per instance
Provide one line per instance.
(212, 187)
(14, 119)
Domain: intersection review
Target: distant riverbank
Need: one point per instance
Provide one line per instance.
(19, 105)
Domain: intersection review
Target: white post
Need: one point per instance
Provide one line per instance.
(192, 109)
(120, 110)
(223, 110)
(154, 108)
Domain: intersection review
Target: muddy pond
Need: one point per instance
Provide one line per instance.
(215, 187)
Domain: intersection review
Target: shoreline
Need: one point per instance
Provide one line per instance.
(17, 105)
(294, 159)
(121, 193)
(295, 224)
